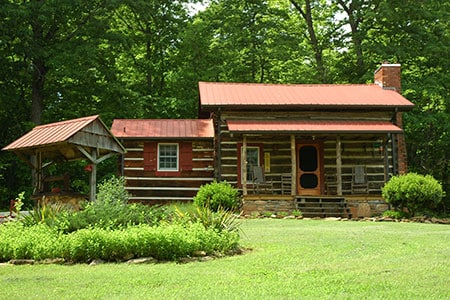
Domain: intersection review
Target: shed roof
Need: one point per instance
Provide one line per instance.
(306, 126)
(62, 138)
(163, 128)
(223, 94)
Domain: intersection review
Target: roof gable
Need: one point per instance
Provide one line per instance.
(163, 128)
(221, 94)
(52, 133)
(66, 138)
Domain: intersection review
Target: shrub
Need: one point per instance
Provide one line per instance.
(46, 213)
(165, 242)
(112, 190)
(112, 215)
(219, 220)
(218, 195)
(414, 192)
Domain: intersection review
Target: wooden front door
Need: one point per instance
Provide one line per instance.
(309, 168)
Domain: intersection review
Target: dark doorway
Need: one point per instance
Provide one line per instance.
(309, 168)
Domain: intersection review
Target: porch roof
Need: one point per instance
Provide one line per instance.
(306, 126)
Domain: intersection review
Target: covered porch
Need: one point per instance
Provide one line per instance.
(283, 165)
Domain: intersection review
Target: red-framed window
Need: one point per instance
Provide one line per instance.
(168, 158)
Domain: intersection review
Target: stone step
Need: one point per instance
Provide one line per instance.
(323, 206)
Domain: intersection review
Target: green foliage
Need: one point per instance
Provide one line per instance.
(47, 213)
(36, 242)
(165, 242)
(112, 190)
(395, 214)
(220, 220)
(110, 215)
(297, 213)
(218, 195)
(414, 192)
(19, 202)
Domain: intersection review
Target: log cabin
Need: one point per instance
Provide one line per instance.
(323, 149)
(166, 160)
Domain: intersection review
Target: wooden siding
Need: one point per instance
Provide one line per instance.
(147, 185)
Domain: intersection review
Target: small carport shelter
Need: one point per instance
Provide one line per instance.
(83, 138)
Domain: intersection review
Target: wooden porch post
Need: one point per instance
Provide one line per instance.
(338, 166)
(36, 172)
(93, 179)
(243, 165)
(293, 167)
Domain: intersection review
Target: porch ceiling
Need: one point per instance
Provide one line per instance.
(305, 126)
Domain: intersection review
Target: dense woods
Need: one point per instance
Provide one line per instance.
(143, 59)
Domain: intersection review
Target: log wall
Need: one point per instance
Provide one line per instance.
(148, 187)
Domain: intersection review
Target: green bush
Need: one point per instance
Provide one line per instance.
(164, 242)
(417, 193)
(112, 190)
(218, 195)
(47, 213)
(110, 215)
(218, 220)
(36, 242)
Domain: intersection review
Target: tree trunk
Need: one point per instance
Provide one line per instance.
(354, 22)
(37, 91)
(307, 15)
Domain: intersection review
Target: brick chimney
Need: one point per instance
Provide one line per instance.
(388, 76)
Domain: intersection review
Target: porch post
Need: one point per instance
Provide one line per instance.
(338, 166)
(93, 179)
(36, 172)
(293, 167)
(243, 165)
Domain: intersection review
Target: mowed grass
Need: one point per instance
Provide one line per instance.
(291, 259)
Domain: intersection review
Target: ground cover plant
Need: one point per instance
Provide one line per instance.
(290, 259)
(110, 229)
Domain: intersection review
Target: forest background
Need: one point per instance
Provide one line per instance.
(143, 59)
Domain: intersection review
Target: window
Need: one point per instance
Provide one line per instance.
(167, 157)
(252, 161)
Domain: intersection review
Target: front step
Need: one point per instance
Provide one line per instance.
(322, 206)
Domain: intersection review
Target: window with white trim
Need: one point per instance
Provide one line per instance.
(168, 155)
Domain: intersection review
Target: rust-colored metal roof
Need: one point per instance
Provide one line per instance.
(305, 126)
(219, 94)
(163, 128)
(50, 133)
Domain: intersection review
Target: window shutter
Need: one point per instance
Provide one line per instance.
(150, 156)
(186, 156)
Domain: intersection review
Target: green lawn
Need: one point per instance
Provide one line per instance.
(291, 259)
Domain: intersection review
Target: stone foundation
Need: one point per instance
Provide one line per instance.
(261, 206)
(367, 208)
(359, 207)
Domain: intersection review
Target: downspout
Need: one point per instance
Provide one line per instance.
(219, 147)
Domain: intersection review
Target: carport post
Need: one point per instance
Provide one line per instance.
(93, 179)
